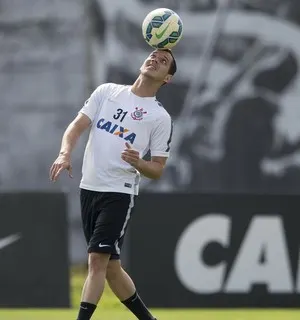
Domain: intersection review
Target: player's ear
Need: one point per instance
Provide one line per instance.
(168, 78)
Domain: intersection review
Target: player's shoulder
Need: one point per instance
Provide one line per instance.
(160, 110)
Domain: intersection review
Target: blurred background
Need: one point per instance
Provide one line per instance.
(234, 102)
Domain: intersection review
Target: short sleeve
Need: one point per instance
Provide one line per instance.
(94, 103)
(161, 137)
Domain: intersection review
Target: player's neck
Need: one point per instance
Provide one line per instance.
(144, 87)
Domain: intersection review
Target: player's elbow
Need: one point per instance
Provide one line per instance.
(151, 169)
(153, 174)
(156, 174)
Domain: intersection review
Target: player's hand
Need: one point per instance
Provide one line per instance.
(130, 156)
(62, 162)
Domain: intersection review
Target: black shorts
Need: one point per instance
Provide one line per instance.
(105, 218)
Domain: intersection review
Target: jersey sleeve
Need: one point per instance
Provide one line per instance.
(94, 103)
(161, 137)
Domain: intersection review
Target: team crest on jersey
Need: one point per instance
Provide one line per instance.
(138, 114)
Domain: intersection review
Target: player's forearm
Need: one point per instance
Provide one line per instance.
(150, 169)
(69, 139)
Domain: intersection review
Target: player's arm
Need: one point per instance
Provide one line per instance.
(72, 134)
(152, 169)
(160, 147)
(69, 139)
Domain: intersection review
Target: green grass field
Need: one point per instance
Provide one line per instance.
(111, 309)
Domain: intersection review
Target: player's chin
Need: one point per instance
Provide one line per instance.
(149, 72)
(153, 75)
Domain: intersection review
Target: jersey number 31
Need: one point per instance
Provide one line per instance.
(120, 113)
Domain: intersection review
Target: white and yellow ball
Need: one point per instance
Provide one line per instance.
(162, 28)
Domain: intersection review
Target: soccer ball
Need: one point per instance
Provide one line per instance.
(162, 28)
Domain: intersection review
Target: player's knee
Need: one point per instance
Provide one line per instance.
(98, 262)
(113, 270)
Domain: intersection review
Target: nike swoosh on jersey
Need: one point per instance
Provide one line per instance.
(7, 241)
(160, 35)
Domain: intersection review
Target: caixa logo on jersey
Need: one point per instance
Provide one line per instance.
(219, 253)
(116, 130)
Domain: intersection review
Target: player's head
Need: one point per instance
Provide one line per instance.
(160, 65)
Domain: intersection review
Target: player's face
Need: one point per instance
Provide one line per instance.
(157, 66)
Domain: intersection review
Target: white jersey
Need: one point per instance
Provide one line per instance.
(119, 116)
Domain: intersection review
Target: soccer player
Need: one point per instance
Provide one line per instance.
(125, 123)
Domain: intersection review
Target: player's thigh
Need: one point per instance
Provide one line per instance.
(88, 216)
(111, 223)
